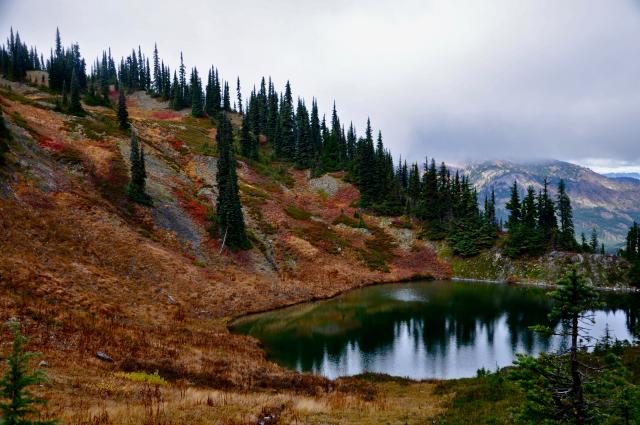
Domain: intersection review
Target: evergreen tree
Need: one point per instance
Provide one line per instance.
(157, 74)
(490, 209)
(632, 249)
(136, 188)
(304, 147)
(566, 233)
(239, 93)
(584, 245)
(526, 237)
(19, 407)
(196, 95)
(547, 222)
(226, 99)
(331, 147)
(285, 145)
(316, 136)
(229, 219)
(563, 387)
(123, 115)
(367, 169)
(182, 85)
(248, 142)
(176, 93)
(632, 253)
(75, 107)
(593, 243)
(513, 206)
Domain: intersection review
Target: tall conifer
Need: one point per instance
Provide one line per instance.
(230, 221)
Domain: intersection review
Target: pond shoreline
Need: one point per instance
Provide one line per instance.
(542, 284)
(413, 278)
(418, 277)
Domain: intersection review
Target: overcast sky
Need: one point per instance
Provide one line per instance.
(455, 79)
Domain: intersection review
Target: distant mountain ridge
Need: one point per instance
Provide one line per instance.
(608, 204)
(622, 175)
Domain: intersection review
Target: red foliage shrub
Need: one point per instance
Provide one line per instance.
(176, 144)
(193, 207)
(49, 144)
(164, 115)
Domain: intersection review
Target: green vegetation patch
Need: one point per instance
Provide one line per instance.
(143, 377)
(248, 191)
(274, 172)
(351, 222)
(21, 122)
(96, 127)
(17, 97)
(297, 213)
(319, 235)
(193, 132)
(379, 250)
(487, 399)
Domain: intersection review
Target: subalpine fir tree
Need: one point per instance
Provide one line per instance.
(593, 242)
(19, 407)
(632, 253)
(248, 142)
(285, 145)
(547, 221)
(513, 206)
(632, 248)
(304, 148)
(75, 107)
(239, 94)
(565, 387)
(157, 74)
(316, 135)
(226, 98)
(331, 147)
(526, 238)
(123, 115)
(176, 93)
(367, 169)
(566, 232)
(196, 95)
(182, 85)
(136, 188)
(229, 219)
(351, 145)
(584, 245)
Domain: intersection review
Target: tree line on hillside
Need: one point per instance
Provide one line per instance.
(445, 203)
(537, 223)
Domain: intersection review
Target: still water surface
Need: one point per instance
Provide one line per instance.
(421, 330)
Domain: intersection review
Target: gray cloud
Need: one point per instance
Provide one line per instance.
(458, 79)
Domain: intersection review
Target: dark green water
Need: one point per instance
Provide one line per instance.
(420, 330)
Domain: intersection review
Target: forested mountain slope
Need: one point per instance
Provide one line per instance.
(610, 205)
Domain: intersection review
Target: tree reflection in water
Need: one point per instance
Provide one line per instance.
(421, 330)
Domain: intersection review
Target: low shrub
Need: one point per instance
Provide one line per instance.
(143, 377)
(297, 213)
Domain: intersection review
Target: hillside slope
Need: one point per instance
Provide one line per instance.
(610, 205)
(85, 270)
